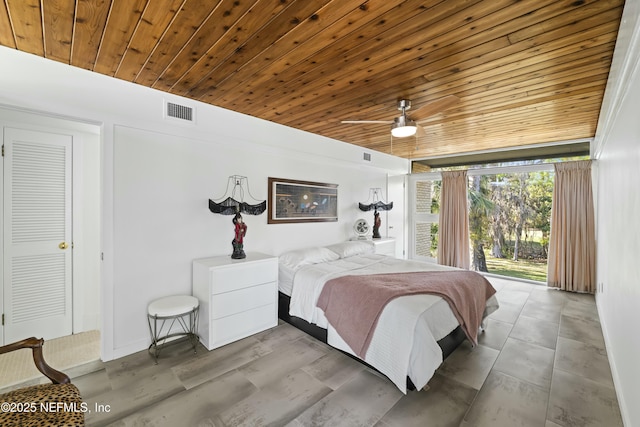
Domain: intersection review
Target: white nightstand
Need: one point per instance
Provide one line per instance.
(238, 297)
(385, 246)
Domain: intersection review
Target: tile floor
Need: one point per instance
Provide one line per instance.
(541, 362)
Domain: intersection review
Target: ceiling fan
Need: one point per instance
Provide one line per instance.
(403, 125)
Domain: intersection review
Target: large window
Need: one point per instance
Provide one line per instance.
(509, 219)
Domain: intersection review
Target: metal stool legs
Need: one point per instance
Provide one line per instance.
(159, 334)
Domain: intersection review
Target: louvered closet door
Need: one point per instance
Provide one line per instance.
(37, 235)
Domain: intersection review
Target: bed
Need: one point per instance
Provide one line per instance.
(412, 334)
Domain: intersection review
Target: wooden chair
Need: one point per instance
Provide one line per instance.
(56, 404)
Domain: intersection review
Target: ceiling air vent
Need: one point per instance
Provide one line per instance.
(367, 157)
(180, 112)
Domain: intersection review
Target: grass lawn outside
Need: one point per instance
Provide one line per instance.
(523, 269)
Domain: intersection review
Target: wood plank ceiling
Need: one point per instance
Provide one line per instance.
(522, 72)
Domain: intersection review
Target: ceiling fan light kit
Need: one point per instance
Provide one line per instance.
(403, 127)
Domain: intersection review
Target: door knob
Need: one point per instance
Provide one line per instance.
(63, 245)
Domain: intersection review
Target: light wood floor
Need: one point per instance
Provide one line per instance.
(541, 362)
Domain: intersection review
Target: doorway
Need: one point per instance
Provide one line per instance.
(51, 226)
(37, 234)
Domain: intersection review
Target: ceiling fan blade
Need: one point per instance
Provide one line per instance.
(420, 132)
(386, 122)
(434, 107)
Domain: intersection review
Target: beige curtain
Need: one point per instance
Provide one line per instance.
(572, 250)
(453, 240)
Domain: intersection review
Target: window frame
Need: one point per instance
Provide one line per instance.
(414, 178)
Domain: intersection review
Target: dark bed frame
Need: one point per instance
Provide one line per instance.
(448, 344)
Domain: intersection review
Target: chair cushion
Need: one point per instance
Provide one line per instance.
(43, 405)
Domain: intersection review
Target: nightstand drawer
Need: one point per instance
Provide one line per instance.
(229, 303)
(385, 246)
(232, 328)
(250, 274)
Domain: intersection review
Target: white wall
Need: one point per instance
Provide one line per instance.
(617, 149)
(158, 176)
(86, 228)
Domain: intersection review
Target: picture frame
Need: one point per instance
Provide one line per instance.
(293, 201)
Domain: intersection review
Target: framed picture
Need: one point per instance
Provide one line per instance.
(301, 201)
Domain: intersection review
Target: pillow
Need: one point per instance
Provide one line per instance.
(352, 248)
(299, 257)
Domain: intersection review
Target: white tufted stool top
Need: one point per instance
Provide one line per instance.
(172, 306)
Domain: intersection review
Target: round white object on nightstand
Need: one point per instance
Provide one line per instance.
(361, 227)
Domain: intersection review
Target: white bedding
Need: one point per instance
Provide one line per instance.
(285, 279)
(404, 342)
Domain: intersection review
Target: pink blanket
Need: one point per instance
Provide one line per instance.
(352, 304)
